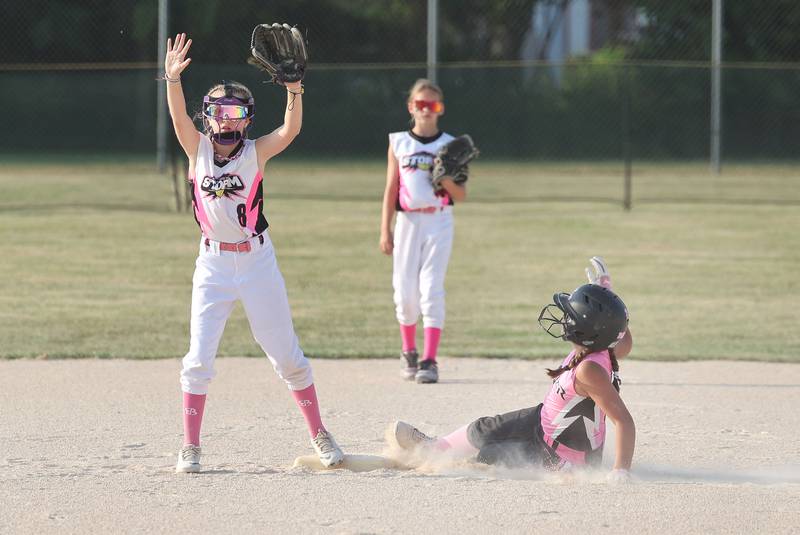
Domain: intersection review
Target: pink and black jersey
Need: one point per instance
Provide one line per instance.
(573, 425)
(227, 199)
(415, 156)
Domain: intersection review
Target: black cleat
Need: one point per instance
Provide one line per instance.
(428, 372)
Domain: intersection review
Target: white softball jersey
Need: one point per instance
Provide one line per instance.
(227, 204)
(423, 233)
(415, 156)
(227, 200)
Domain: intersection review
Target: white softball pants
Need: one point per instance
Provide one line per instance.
(220, 279)
(422, 246)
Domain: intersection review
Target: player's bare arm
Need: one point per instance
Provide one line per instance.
(276, 141)
(458, 192)
(389, 197)
(592, 380)
(174, 64)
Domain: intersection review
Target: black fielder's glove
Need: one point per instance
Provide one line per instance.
(280, 50)
(452, 161)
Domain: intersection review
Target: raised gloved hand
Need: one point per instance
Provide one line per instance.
(280, 50)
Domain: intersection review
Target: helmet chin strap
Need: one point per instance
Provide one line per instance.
(227, 138)
(231, 137)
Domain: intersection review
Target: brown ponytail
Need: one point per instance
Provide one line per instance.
(578, 357)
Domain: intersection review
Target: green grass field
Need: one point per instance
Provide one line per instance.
(97, 263)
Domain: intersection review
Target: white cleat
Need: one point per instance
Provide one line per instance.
(409, 437)
(329, 452)
(188, 459)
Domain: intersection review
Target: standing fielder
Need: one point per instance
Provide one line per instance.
(236, 260)
(423, 180)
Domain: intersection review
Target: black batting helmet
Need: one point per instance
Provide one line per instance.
(592, 316)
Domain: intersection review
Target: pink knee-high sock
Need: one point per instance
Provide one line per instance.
(408, 333)
(307, 401)
(193, 406)
(432, 336)
(457, 443)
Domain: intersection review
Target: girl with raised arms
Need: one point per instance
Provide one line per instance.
(236, 260)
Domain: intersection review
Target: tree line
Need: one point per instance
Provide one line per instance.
(380, 31)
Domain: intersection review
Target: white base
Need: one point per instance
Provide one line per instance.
(354, 463)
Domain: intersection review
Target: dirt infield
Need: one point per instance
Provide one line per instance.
(89, 446)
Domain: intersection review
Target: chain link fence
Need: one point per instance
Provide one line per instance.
(591, 87)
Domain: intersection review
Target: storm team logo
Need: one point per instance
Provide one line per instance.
(418, 160)
(223, 186)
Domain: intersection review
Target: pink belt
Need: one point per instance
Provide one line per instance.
(241, 247)
(427, 210)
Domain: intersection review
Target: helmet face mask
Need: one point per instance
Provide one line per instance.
(227, 108)
(591, 316)
(554, 321)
